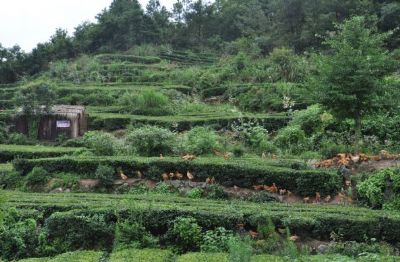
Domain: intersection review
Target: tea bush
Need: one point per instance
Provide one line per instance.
(216, 240)
(151, 141)
(132, 234)
(185, 234)
(101, 143)
(201, 140)
(36, 179)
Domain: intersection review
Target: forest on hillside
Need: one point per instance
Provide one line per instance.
(254, 27)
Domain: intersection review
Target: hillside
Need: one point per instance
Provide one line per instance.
(164, 152)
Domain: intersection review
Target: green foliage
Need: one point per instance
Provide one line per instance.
(356, 249)
(149, 102)
(292, 139)
(185, 234)
(239, 249)
(101, 143)
(83, 230)
(132, 234)
(195, 193)
(201, 140)
(351, 78)
(245, 172)
(151, 141)
(105, 174)
(19, 239)
(154, 255)
(36, 179)
(373, 188)
(35, 98)
(11, 152)
(216, 240)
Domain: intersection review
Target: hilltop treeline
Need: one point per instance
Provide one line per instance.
(223, 26)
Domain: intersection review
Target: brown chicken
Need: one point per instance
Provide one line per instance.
(123, 176)
(306, 200)
(272, 189)
(212, 180)
(258, 187)
(327, 199)
(253, 234)
(140, 174)
(179, 175)
(165, 176)
(189, 175)
(342, 197)
(171, 175)
(161, 157)
(208, 180)
(294, 238)
(188, 157)
(226, 156)
(317, 197)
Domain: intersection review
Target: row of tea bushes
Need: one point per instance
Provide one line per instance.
(290, 175)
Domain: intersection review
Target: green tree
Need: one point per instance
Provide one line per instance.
(350, 79)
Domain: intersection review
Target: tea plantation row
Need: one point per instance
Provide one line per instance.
(155, 255)
(72, 218)
(287, 174)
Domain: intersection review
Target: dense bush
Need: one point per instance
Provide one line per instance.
(185, 234)
(201, 140)
(132, 234)
(291, 139)
(151, 141)
(105, 174)
(380, 187)
(216, 240)
(71, 231)
(101, 143)
(36, 179)
(19, 239)
(148, 102)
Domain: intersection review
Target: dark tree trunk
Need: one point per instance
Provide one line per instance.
(357, 129)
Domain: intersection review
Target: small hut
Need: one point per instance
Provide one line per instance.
(70, 121)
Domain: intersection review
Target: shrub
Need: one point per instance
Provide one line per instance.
(151, 141)
(36, 179)
(292, 139)
(132, 234)
(239, 249)
(312, 120)
(238, 150)
(101, 143)
(185, 234)
(149, 102)
(355, 249)
(19, 139)
(216, 240)
(372, 189)
(195, 193)
(201, 140)
(330, 149)
(142, 255)
(78, 230)
(216, 192)
(105, 174)
(19, 240)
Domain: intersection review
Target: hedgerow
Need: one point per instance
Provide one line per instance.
(241, 173)
(10, 152)
(88, 220)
